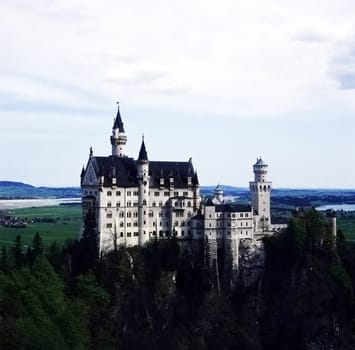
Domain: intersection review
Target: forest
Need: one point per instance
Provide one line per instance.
(159, 298)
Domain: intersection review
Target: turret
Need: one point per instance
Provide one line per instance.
(260, 190)
(118, 138)
(218, 194)
(143, 195)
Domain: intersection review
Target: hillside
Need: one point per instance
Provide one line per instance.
(19, 190)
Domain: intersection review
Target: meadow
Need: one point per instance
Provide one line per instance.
(65, 224)
(346, 223)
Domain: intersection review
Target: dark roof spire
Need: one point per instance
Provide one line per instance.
(143, 152)
(118, 124)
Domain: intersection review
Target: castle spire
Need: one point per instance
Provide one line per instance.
(143, 156)
(118, 124)
(118, 138)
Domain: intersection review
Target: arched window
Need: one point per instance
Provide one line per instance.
(189, 204)
(129, 214)
(144, 202)
(109, 204)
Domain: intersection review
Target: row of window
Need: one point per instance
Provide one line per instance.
(135, 193)
(135, 223)
(220, 224)
(229, 215)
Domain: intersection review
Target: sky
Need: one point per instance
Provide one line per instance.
(223, 82)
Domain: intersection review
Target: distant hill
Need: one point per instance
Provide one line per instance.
(15, 184)
(280, 196)
(19, 190)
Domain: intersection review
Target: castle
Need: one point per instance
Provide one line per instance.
(137, 200)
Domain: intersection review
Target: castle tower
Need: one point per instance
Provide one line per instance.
(143, 195)
(332, 222)
(260, 190)
(118, 138)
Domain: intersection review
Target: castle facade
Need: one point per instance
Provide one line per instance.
(137, 200)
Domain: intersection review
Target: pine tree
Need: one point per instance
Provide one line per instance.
(17, 251)
(4, 261)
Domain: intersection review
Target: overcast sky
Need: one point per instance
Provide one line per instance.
(223, 82)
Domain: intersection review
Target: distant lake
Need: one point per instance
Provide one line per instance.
(29, 203)
(336, 207)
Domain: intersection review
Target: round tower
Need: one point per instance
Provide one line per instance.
(143, 195)
(118, 137)
(260, 190)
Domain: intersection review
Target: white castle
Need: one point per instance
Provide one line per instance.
(138, 200)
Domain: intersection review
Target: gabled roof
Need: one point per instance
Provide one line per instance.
(125, 170)
(233, 208)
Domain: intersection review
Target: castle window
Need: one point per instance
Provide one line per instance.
(118, 204)
(160, 233)
(129, 193)
(121, 224)
(135, 214)
(246, 215)
(166, 194)
(129, 204)
(109, 215)
(118, 193)
(128, 224)
(129, 214)
(186, 194)
(154, 204)
(136, 234)
(189, 204)
(182, 233)
(129, 234)
(150, 214)
(160, 214)
(182, 223)
(135, 223)
(121, 234)
(109, 193)
(153, 223)
(144, 202)
(246, 224)
(233, 215)
(160, 204)
(241, 215)
(156, 194)
(121, 214)
(135, 193)
(176, 194)
(109, 225)
(108, 204)
(176, 204)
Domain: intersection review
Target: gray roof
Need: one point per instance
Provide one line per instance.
(260, 162)
(126, 172)
(233, 208)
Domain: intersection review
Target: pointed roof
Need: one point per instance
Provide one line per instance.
(118, 124)
(143, 152)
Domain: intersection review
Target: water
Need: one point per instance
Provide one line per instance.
(29, 203)
(336, 207)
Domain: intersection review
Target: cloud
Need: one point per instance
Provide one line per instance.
(342, 64)
(309, 36)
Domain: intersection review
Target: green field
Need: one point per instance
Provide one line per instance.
(66, 226)
(347, 224)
